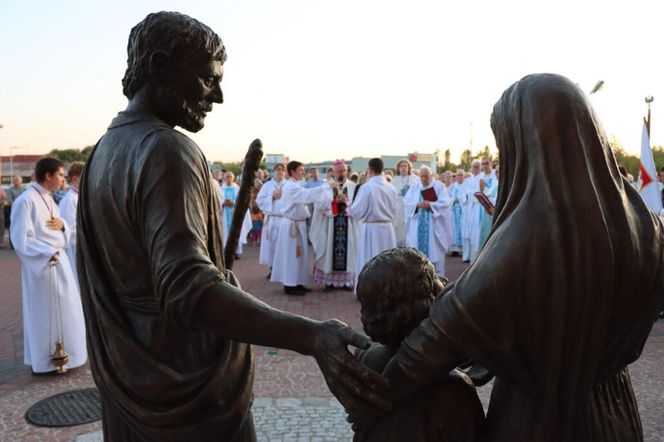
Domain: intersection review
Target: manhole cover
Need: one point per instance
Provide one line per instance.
(66, 409)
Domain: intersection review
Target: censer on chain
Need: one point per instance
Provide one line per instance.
(60, 357)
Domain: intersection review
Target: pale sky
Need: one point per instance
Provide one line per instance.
(322, 80)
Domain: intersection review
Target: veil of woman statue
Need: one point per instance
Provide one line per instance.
(564, 293)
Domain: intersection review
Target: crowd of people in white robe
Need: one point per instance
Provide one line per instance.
(347, 220)
(353, 220)
(350, 223)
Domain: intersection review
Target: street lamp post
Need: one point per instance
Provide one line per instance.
(599, 85)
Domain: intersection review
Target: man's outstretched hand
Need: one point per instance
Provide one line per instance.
(359, 389)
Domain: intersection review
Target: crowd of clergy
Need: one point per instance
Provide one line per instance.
(349, 220)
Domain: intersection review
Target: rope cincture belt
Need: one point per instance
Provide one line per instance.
(382, 221)
(266, 224)
(295, 233)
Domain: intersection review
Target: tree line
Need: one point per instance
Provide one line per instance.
(71, 155)
(629, 161)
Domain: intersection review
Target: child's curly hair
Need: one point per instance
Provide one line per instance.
(396, 289)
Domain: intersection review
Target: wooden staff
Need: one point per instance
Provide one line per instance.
(251, 162)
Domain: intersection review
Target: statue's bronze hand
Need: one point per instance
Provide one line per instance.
(359, 389)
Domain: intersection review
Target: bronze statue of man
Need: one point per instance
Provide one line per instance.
(168, 329)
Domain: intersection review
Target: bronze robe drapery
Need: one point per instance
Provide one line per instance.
(148, 247)
(448, 410)
(564, 293)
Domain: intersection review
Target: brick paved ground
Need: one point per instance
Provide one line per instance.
(289, 390)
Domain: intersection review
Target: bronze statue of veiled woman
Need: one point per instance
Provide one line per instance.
(564, 293)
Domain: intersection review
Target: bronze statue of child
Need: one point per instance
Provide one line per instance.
(395, 290)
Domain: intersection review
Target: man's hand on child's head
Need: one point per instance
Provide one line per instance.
(357, 387)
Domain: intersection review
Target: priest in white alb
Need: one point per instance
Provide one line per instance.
(470, 218)
(67, 206)
(51, 301)
(428, 213)
(291, 254)
(483, 180)
(402, 182)
(375, 206)
(270, 203)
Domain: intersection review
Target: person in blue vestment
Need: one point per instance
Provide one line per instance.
(488, 186)
(428, 213)
(457, 209)
(228, 193)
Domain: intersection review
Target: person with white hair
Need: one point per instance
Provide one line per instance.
(228, 193)
(428, 213)
(475, 230)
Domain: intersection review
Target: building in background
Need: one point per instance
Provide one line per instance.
(271, 159)
(360, 164)
(322, 167)
(22, 165)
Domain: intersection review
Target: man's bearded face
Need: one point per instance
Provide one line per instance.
(187, 96)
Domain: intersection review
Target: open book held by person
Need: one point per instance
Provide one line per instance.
(484, 201)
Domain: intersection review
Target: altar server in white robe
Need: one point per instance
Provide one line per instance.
(334, 235)
(228, 193)
(291, 251)
(404, 179)
(429, 223)
(270, 203)
(67, 206)
(470, 218)
(51, 301)
(375, 206)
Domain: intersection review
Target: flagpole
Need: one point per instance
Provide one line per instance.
(649, 99)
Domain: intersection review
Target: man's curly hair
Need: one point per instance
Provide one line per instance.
(184, 39)
(396, 289)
